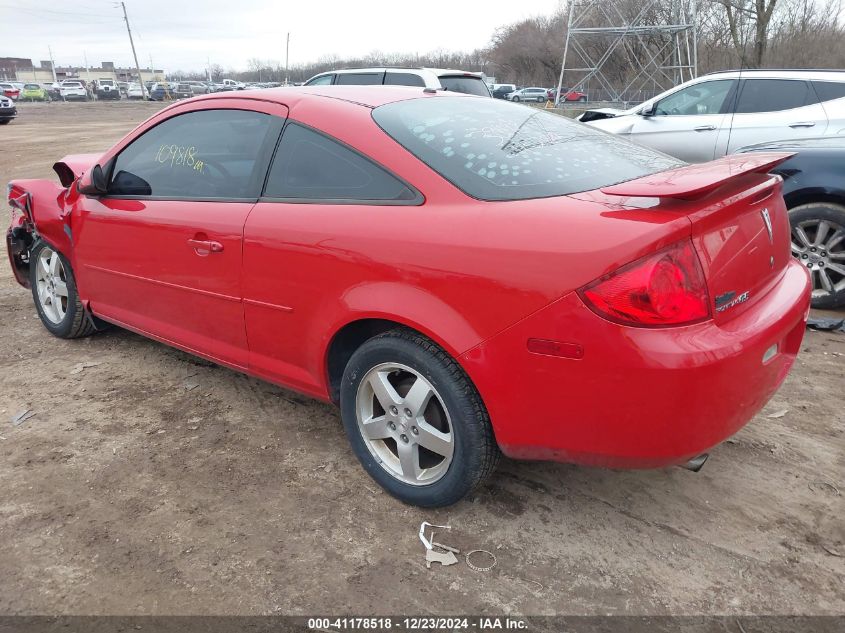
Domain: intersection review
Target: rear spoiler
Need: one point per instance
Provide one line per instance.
(693, 181)
(73, 166)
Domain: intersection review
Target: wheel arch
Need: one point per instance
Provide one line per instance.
(810, 195)
(426, 315)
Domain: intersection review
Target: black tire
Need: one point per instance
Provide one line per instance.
(515, 99)
(5, 121)
(582, 99)
(835, 214)
(75, 323)
(475, 454)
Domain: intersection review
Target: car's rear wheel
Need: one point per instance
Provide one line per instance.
(54, 292)
(818, 242)
(415, 421)
(582, 99)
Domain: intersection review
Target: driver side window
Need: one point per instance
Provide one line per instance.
(203, 154)
(703, 98)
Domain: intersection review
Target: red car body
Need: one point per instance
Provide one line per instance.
(499, 285)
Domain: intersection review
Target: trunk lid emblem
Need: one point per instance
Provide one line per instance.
(767, 220)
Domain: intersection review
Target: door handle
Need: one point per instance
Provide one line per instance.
(803, 124)
(209, 246)
(704, 128)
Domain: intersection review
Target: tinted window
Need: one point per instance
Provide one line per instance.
(206, 154)
(323, 80)
(311, 166)
(704, 98)
(773, 95)
(496, 150)
(359, 79)
(470, 85)
(403, 79)
(829, 90)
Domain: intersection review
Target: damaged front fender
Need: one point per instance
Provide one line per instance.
(38, 212)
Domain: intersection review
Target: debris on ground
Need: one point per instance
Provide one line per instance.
(80, 367)
(824, 324)
(446, 557)
(778, 414)
(823, 485)
(22, 416)
(191, 385)
(492, 561)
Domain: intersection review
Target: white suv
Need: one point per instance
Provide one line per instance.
(73, 90)
(436, 78)
(716, 114)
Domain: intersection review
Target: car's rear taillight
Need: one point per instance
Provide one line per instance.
(663, 289)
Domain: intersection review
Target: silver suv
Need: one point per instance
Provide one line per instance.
(436, 78)
(716, 114)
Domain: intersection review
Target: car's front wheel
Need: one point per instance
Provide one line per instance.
(514, 98)
(54, 292)
(818, 242)
(415, 421)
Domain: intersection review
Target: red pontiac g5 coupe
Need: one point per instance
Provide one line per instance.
(463, 276)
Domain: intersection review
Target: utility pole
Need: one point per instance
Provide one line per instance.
(287, 59)
(52, 64)
(134, 54)
(87, 67)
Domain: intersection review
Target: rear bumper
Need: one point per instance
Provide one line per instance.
(638, 398)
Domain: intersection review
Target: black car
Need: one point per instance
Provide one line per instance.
(8, 110)
(814, 192)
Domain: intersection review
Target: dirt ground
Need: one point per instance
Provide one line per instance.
(130, 493)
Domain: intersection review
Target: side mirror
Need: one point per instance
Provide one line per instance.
(649, 110)
(93, 182)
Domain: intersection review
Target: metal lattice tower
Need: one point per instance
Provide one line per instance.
(656, 41)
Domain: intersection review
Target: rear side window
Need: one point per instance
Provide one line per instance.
(773, 95)
(829, 90)
(467, 84)
(323, 80)
(496, 150)
(359, 79)
(311, 166)
(205, 154)
(403, 79)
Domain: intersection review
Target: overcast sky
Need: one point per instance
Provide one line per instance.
(183, 34)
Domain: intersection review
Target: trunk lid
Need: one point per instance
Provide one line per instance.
(739, 224)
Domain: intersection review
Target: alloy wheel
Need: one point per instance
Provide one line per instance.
(820, 246)
(51, 285)
(405, 424)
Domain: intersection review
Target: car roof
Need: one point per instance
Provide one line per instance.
(780, 73)
(367, 96)
(380, 69)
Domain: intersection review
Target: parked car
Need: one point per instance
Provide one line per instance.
(107, 89)
(74, 91)
(435, 78)
(568, 95)
(528, 94)
(500, 91)
(162, 91)
(34, 92)
(814, 192)
(135, 91)
(54, 90)
(8, 110)
(231, 84)
(718, 113)
(371, 248)
(198, 87)
(183, 91)
(10, 90)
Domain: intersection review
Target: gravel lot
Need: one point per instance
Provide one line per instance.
(128, 493)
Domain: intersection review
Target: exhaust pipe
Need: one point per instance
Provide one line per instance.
(696, 463)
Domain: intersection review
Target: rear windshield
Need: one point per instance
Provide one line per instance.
(32, 87)
(496, 150)
(470, 85)
(71, 84)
